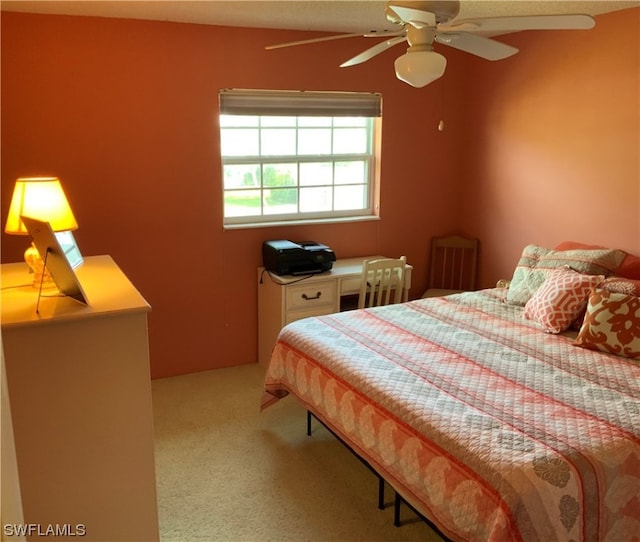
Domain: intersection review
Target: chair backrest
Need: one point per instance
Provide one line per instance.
(382, 282)
(453, 263)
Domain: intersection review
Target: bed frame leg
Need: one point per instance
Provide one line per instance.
(396, 509)
(398, 500)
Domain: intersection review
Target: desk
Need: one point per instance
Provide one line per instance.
(285, 299)
(80, 394)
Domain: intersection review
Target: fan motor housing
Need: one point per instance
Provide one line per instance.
(444, 10)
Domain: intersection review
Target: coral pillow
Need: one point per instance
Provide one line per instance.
(561, 299)
(536, 263)
(575, 245)
(630, 267)
(612, 324)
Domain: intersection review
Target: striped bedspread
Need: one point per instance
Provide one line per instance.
(491, 428)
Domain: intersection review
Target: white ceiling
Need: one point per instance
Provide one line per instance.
(321, 15)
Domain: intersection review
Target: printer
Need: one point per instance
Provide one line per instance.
(289, 258)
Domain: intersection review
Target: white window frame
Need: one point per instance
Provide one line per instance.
(262, 103)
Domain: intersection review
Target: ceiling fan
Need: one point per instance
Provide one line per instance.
(424, 22)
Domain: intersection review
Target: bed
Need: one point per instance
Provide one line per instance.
(488, 423)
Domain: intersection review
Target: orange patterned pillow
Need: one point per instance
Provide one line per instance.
(561, 299)
(619, 285)
(612, 324)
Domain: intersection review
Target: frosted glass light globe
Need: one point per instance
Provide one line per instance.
(419, 68)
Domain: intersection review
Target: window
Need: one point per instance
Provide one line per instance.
(298, 156)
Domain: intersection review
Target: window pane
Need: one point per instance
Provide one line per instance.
(239, 142)
(350, 172)
(350, 121)
(314, 141)
(315, 199)
(281, 201)
(278, 142)
(350, 197)
(305, 122)
(242, 203)
(280, 175)
(241, 176)
(315, 173)
(350, 141)
(238, 121)
(269, 121)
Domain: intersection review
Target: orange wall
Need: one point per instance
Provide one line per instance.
(124, 112)
(555, 142)
(539, 148)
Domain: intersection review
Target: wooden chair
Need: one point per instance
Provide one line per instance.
(380, 279)
(453, 265)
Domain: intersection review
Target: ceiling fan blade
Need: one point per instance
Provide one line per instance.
(476, 45)
(517, 24)
(415, 17)
(372, 34)
(313, 40)
(372, 51)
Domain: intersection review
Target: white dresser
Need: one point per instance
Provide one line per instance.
(80, 393)
(283, 299)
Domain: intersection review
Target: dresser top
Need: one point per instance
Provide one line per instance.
(107, 288)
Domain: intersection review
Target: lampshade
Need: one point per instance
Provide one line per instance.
(42, 198)
(419, 68)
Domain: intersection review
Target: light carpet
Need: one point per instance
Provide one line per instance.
(228, 472)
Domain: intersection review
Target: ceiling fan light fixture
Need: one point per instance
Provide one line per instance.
(419, 68)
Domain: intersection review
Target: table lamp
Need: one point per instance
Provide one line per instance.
(42, 198)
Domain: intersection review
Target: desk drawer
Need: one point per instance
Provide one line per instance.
(350, 286)
(306, 296)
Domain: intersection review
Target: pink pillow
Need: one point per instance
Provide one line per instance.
(561, 299)
(612, 324)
